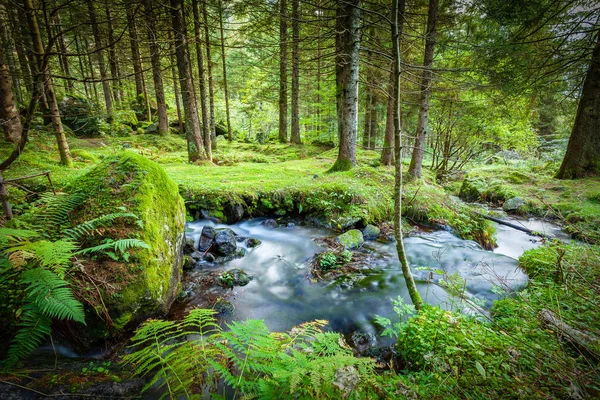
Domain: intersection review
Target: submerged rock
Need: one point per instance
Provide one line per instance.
(371, 232)
(225, 242)
(514, 204)
(240, 277)
(351, 239)
(270, 223)
(252, 242)
(223, 307)
(188, 263)
(207, 238)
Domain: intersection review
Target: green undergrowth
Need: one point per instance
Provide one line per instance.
(270, 179)
(576, 202)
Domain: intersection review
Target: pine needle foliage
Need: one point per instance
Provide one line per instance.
(194, 357)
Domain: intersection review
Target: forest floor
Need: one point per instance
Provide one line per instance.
(517, 353)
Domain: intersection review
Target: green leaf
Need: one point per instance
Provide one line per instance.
(480, 368)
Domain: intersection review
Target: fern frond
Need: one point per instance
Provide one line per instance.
(121, 245)
(56, 211)
(34, 327)
(51, 296)
(79, 232)
(54, 255)
(9, 235)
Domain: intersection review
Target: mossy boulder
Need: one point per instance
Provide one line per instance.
(371, 232)
(514, 204)
(143, 284)
(351, 239)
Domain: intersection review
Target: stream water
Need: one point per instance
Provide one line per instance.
(283, 294)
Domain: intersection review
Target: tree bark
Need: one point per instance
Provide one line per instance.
(223, 60)
(408, 277)
(161, 103)
(140, 86)
(192, 125)
(283, 105)
(202, 82)
(64, 60)
(211, 89)
(368, 106)
(295, 134)
(113, 63)
(21, 46)
(346, 76)
(9, 114)
(48, 88)
(583, 151)
(175, 84)
(416, 162)
(387, 154)
(100, 57)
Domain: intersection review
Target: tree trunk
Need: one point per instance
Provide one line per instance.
(368, 105)
(408, 277)
(140, 86)
(113, 64)
(283, 105)
(161, 104)
(223, 60)
(100, 56)
(387, 154)
(295, 134)
(7, 48)
(38, 47)
(416, 162)
(90, 65)
(192, 125)
(64, 60)
(202, 82)
(374, 121)
(175, 83)
(346, 76)
(211, 89)
(583, 150)
(9, 114)
(21, 47)
(82, 71)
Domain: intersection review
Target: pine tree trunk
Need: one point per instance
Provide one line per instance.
(408, 277)
(100, 57)
(295, 134)
(373, 120)
(7, 47)
(368, 105)
(175, 81)
(202, 82)
(9, 114)
(20, 44)
(387, 154)
(223, 60)
(283, 100)
(583, 151)
(416, 162)
(90, 66)
(192, 125)
(113, 64)
(64, 60)
(211, 89)
(161, 104)
(140, 86)
(346, 75)
(38, 47)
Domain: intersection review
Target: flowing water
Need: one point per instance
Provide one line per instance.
(283, 294)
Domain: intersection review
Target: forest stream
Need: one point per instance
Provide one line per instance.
(284, 294)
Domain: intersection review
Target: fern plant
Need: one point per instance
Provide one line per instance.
(305, 363)
(37, 268)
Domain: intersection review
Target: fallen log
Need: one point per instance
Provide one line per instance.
(514, 226)
(583, 340)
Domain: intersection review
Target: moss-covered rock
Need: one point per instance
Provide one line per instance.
(144, 283)
(351, 239)
(371, 232)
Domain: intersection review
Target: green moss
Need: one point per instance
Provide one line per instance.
(351, 239)
(84, 155)
(142, 187)
(341, 164)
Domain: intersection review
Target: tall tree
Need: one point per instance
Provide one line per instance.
(202, 81)
(283, 101)
(387, 153)
(224, 61)
(140, 85)
(295, 134)
(211, 89)
(175, 81)
(113, 62)
(100, 56)
(161, 104)
(48, 87)
(9, 115)
(192, 125)
(583, 151)
(408, 277)
(347, 42)
(416, 162)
